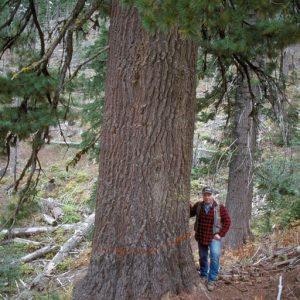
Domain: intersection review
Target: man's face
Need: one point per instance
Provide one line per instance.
(208, 198)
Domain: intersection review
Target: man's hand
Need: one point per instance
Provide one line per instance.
(217, 236)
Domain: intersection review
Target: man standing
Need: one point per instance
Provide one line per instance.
(212, 223)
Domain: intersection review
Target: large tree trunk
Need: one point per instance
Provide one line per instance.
(141, 247)
(240, 182)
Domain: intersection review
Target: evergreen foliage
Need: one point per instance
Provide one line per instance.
(93, 88)
(33, 88)
(226, 27)
(236, 36)
(278, 180)
(10, 269)
(232, 35)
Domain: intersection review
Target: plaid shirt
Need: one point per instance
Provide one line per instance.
(204, 235)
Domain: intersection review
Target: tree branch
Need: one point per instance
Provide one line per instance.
(11, 40)
(38, 27)
(78, 68)
(71, 24)
(12, 15)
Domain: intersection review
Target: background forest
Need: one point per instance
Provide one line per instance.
(53, 65)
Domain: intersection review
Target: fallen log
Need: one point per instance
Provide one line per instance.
(52, 207)
(63, 143)
(24, 241)
(39, 253)
(261, 259)
(20, 241)
(285, 262)
(41, 280)
(48, 219)
(284, 251)
(20, 232)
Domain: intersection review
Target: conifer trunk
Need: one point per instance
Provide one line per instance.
(141, 247)
(240, 182)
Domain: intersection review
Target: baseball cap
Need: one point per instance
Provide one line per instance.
(207, 189)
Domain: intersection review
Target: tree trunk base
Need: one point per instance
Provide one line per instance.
(134, 277)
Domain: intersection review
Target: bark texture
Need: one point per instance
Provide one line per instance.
(240, 182)
(141, 246)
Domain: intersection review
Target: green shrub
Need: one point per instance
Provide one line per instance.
(195, 186)
(71, 214)
(278, 180)
(10, 269)
(66, 264)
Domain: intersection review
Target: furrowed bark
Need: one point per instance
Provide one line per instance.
(141, 246)
(240, 182)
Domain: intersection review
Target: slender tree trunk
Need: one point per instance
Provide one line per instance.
(141, 247)
(240, 183)
(15, 160)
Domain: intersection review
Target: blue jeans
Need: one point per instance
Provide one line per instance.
(215, 252)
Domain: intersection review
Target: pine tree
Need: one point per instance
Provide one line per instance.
(241, 166)
(148, 137)
(128, 224)
(33, 94)
(142, 221)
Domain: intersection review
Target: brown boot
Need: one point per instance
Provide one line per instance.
(203, 279)
(211, 285)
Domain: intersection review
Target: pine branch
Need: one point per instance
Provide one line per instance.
(7, 145)
(4, 4)
(51, 32)
(246, 73)
(36, 146)
(12, 15)
(83, 151)
(77, 18)
(39, 173)
(70, 22)
(38, 27)
(12, 40)
(66, 65)
(61, 132)
(74, 22)
(78, 68)
(69, 51)
(16, 185)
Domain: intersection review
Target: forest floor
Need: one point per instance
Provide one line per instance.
(260, 262)
(255, 259)
(252, 272)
